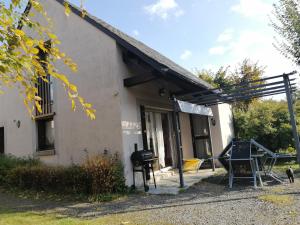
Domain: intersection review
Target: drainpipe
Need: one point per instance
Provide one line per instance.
(292, 114)
(177, 131)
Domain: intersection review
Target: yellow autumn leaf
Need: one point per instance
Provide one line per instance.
(73, 104)
(83, 13)
(16, 2)
(38, 98)
(38, 106)
(88, 105)
(81, 100)
(52, 36)
(63, 78)
(19, 32)
(29, 43)
(73, 88)
(67, 9)
(34, 51)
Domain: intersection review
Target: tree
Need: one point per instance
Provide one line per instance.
(22, 39)
(267, 121)
(287, 25)
(244, 74)
(208, 76)
(221, 79)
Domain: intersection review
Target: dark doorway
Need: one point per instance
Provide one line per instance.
(1, 140)
(167, 142)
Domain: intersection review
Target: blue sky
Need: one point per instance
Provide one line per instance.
(203, 34)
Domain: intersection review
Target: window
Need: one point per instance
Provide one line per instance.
(44, 119)
(45, 89)
(45, 129)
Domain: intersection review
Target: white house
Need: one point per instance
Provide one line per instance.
(129, 84)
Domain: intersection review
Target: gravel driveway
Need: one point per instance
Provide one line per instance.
(209, 202)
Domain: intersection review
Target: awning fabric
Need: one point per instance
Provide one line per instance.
(186, 107)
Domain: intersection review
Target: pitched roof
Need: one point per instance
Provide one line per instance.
(143, 51)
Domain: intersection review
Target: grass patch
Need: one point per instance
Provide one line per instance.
(182, 190)
(282, 167)
(58, 197)
(277, 199)
(11, 217)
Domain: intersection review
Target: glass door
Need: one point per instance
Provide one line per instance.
(159, 136)
(201, 137)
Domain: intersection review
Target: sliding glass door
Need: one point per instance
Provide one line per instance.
(159, 136)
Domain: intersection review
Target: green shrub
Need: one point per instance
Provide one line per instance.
(9, 162)
(101, 174)
(288, 150)
(44, 178)
(267, 122)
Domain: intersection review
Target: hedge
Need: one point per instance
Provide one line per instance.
(100, 174)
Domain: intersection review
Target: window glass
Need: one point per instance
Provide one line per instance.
(45, 134)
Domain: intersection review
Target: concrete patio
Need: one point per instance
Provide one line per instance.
(168, 182)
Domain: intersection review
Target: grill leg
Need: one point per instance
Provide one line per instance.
(133, 174)
(153, 175)
(146, 188)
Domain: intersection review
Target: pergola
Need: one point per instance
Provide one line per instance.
(200, 100)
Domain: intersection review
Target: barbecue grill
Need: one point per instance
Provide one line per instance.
(142, 161)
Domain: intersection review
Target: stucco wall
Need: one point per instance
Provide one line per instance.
(226, 118)
(96, 55)
(223, 132)
(17, 141)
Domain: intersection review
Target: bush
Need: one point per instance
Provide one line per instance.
(53, 179)
(267, 122)
(101, 174)
(9, 162)
(105, 174)
(289, 150)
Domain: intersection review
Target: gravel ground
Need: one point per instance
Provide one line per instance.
(209, 202)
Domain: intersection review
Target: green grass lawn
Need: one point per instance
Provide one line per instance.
(10, 217)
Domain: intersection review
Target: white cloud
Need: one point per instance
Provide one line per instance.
(164, 8)
(226, 35)
(136, 33)
(179, 13)
(186, 55)
(258, 9)
(217, 50)
(257, 45)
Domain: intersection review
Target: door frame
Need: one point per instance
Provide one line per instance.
(208, 136)
(146, 108)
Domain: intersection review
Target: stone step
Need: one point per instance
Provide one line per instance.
(162, 174)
